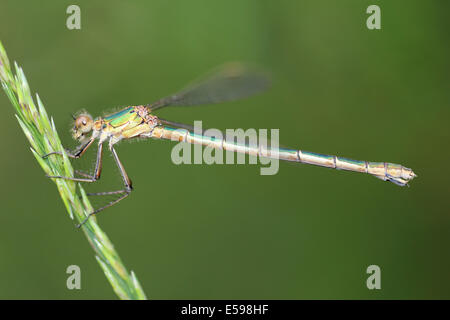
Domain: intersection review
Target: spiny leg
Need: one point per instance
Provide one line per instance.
(72, 154)
(107, 193)
(104, 193)
(126, 191)
(97, 171)
(77, 154)
(98, 166)
(82, 173)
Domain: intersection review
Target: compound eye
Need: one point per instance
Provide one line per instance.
(83, 122)
(80, 121)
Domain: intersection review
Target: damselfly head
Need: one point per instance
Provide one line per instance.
(82, 126)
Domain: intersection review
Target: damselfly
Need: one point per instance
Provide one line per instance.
(231, 82)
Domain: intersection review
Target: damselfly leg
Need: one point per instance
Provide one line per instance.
(125, 192)
(96, 176)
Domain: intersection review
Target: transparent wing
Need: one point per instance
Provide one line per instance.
(230, 82)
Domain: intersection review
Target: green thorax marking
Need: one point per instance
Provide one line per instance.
(127, 115)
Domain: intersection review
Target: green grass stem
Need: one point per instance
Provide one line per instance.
(43, 137)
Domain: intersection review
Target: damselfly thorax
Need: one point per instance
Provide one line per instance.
(131, 122)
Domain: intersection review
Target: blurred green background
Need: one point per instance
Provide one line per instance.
(224, 231)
